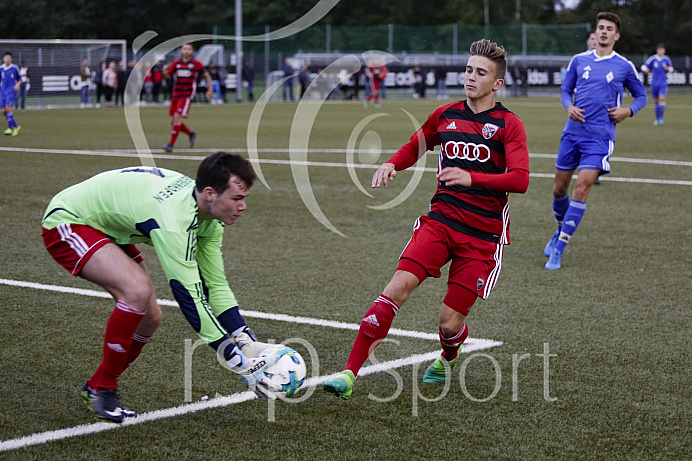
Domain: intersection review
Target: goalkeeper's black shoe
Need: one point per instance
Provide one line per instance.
(106, 404)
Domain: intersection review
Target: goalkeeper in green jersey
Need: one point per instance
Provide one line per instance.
(91, 230)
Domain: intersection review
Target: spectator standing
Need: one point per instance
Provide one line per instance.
(157, 79)
(85, 74)
(304, 79)
(248, 77)
(98, 82)
(441, 81)
(110, 83)
(167, 85)
(423, 73)
(213, 70)
(524, 72)
(516, 79)
(148, 83)
(417, 82)
(121, 74)
(24, 87)
(223, 75)
(288, 84)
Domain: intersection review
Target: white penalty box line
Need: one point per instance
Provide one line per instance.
(471, 345)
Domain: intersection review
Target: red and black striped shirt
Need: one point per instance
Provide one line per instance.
(185, 77)
(491, 145)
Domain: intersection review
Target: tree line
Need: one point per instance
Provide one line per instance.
(644, 22)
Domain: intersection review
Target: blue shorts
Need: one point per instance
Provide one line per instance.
(659, 90)
(7, 99)
(580, 152)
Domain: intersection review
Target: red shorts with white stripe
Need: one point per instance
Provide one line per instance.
(475, 264)
(71, 245)
(181, 106)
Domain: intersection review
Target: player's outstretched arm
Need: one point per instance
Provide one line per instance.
(383, 174)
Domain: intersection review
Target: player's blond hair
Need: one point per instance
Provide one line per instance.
(492, 51)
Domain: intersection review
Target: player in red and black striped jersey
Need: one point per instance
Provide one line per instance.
(483, 157)
(184, 72)
(377, 73)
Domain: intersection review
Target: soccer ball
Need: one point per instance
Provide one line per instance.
(289, 372)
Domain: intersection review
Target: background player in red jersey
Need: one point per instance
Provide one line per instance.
(483, 157)
(376, 73)
(184, 72)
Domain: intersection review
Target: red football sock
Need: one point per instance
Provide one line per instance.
(450, 346)
(174, 133)
(373, 329)
(117, 345)
(138, 342)
(185, 129)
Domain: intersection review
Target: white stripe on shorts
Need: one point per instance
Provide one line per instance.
(74, 240)
(495, 273)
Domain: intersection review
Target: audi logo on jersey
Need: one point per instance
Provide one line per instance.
(465, 151)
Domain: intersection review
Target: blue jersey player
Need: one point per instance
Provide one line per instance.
(10, 80)
(659, 65)
(592, 95)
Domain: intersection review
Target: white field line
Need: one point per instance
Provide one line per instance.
(246, 313)
(471, 345)
(133, 154)
(220, 402)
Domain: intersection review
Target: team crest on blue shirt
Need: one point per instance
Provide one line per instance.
(489, 130)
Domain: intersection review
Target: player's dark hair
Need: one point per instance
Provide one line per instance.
(492, 51)
(660, 45)
(217, 169)
(8, 53)
(612, 17)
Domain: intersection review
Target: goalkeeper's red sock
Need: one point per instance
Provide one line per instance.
(185, 129)
(117, 345)
(174, 133)
(451, 345)
(373, 329)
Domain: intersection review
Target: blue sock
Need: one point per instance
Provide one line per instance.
(10, 121)
(560, 206)
(573, 217)
(232, 321)
(657, 111)
(228, 349)
(661, 108)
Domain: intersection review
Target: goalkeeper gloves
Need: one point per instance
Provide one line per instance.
(251, 373)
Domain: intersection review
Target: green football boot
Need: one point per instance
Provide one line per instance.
(341, 385)
(438, 371)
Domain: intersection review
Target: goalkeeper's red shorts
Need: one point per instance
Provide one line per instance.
(71, 245)
(475, 263)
